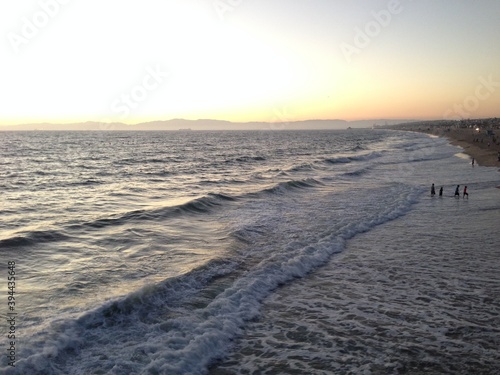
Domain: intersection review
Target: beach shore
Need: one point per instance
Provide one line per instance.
(480, 139)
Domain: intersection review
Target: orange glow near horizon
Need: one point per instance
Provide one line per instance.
(193, 62)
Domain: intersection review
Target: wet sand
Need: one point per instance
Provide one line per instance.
(482, 147)
(477, 146)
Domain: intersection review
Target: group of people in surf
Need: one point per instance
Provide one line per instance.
(457, 192)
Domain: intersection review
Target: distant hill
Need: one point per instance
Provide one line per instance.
(204, 124)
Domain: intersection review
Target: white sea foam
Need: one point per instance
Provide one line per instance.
(416, 295)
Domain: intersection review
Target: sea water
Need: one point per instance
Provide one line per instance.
(291, 252)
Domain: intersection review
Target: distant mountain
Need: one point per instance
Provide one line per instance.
(203, 124)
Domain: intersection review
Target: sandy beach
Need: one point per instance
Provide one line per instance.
(480, 139)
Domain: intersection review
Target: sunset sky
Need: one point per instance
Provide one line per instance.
(248, 60)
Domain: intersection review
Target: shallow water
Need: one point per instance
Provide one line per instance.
(418, 295)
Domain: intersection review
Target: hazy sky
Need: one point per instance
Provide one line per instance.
(246, 60)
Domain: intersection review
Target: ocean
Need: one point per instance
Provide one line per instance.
(247, 252)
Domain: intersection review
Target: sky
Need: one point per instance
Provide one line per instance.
(248, 60)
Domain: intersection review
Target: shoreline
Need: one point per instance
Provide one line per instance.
(483, 147)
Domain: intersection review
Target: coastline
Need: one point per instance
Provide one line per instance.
(416, 294)
(483, 157)
(480, 145)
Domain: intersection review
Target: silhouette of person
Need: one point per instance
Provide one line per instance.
(473, 161)
(465, 193)
(457, 193)
(441, 192)
(433, 191)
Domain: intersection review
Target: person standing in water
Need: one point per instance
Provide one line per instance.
(441, 192)
(433, 191)
(457, 192)
(465, 193)
(473, 161)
